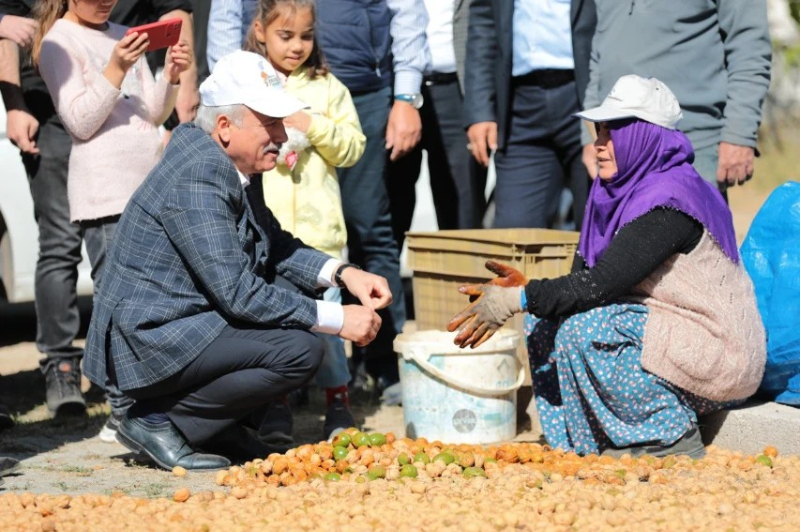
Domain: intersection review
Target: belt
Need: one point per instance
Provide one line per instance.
(440, 78)
(547, 78)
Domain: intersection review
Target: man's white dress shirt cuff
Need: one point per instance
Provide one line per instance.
(325, 275)
(330, 317)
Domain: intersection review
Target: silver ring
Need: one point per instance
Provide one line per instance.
(469, 147)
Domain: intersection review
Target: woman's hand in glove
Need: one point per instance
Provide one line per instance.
(491, 305)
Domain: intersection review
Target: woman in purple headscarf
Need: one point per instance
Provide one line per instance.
(657, 322)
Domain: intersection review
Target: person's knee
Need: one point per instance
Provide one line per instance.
(310, 350)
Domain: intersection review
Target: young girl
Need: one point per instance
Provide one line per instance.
(303, 191)
(111, 106)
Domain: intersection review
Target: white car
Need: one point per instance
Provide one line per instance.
(19, 234)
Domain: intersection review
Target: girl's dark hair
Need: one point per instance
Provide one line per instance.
(266, 13)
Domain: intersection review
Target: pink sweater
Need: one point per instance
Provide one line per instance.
(115, 132)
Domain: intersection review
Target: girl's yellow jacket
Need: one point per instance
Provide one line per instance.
(306, 199)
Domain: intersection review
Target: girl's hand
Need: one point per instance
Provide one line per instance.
(126, 52)
(299, 120)
(179, 59)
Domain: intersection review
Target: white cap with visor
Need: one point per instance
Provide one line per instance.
(248, 79)
(636, 97)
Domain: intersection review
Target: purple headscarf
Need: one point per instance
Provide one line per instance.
(653, 170)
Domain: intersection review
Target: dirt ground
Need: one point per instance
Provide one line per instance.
(66, 457)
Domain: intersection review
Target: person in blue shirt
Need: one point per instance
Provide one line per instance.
(524, 80)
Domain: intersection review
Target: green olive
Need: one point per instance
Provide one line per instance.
(376, 439)
(408, 471)
(422, 457)
(359, 439)
(472, 472)
(489, 460)
(361, 479)
(333, 477)
(342, 439)
(764, 460)
(376, 471)
(445, 457)
(340, 453)
(403, 459)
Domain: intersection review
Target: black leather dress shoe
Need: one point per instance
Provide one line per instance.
(241, 444)
(165, 445)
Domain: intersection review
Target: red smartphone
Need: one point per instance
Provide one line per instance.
(162, 33)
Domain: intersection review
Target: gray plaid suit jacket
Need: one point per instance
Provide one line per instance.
(190, 254)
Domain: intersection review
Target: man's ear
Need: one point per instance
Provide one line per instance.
(258, 31)
(224, 129)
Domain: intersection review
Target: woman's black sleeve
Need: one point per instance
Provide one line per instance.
(634, 253)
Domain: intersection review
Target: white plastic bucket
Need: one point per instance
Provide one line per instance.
(459, 395)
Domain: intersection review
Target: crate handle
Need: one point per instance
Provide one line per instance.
(421, 358)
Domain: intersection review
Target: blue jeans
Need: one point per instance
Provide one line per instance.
(98, 235)
(333, 372)
(370, 240)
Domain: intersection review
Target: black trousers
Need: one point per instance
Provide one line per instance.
(237, 374)
(457, 180)
(541, 157)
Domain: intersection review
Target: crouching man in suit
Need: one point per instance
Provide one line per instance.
(192, 319)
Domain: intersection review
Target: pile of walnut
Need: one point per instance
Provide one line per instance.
(388, 484)
(359, 457)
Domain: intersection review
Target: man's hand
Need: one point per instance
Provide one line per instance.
(372, 290)
(20, 30)
(21, 129)
(404, 130)
(482, 139)
(736, 164)
(361, 324)
(589, 159)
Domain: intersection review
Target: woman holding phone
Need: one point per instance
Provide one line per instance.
(111, 106)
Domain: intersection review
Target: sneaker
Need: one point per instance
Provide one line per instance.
(63, 385)
(690, 444)
(362, 387)
(6, 421)
(108, 433)
(392, 395)
(276, 425)
(338, 418)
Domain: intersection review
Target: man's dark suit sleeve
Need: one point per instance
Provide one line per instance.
(480, 93)
(201, 222)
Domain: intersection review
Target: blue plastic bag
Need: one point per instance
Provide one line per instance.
(771, 255)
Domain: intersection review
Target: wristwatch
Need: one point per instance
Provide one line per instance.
(337, 276)
(414, 99)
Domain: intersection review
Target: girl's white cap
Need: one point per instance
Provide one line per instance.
(248, 79)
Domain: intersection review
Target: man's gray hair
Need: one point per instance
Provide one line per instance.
(206, 118)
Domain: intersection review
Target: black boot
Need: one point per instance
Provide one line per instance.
(165, 445)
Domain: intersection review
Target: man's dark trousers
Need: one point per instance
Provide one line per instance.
(543, 153)
(370, 242)
(239, 372)
(57, 316)
(457, 180)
